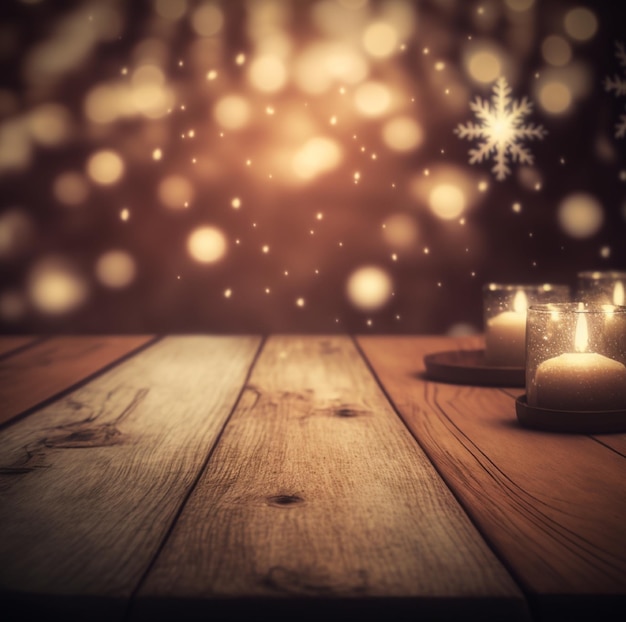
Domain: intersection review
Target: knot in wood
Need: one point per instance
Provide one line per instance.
(346, 412)
(284, 500)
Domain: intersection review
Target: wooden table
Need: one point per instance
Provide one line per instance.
(236, 477)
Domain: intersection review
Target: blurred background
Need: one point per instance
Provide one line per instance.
(305, 165)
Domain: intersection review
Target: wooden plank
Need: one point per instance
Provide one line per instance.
(92, 483)
(37, 374)
(317, 500)
(14, 342)
(553, 505)
(617, 442)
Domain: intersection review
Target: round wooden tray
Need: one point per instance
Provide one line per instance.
(586, 422)
(469, 367)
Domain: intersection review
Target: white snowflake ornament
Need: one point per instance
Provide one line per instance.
(617, 85)
(501, 130)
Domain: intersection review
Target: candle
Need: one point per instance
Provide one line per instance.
(505, 335)
(580, 380)
(602, 287)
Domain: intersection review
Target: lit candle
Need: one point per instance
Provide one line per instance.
(580, 380)
(505, 335)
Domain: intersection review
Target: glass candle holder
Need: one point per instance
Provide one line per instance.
(576, 357)
(603, 287)
(504, 314)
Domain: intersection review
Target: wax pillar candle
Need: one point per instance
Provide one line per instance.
(505, 335)
(505, 339)
(580, 380)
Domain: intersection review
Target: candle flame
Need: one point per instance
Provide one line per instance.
(581, 337)
(520, 302)
(618, 294)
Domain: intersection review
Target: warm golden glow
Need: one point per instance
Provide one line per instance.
(116, 269)
(380, 39)
(232, 112)
(149, 94)
(105, 167)
(70, 188)
(372, 99)
(581, 337)
(316, 156)
(580, 215)
(484, 66)
(322, 64)
(400, 231)
(55, 287)
(520, 302)
(207, 20)
(206, 244)
(402, 134)
(175, 192)
(447, 201)
(102, 103)
(581, 23)
(555, 97)
(369, 288)
(49, 124)
(619, 297)
(268, 73)
(556, 51)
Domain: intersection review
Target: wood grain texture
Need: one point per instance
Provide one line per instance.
(91, 484)
(553, 505)
(317, 500)
(41, 372)
(10, 343)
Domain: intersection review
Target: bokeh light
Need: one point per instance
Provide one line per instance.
(105, 167)
(268, 73)
(318, 155)
(380, 39)
(402, 134)
(580, 215)
(372, 99)
(555, 97)
(400, 231)
(56, 286)
(70, 188)
(235, 165)
(580, 23)
(207, 19)
(369, 288)
(116, 269)
(175, 191)
(447, 201)
(49, 124)
(206, 244)
(556, 50)
(232, 112)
